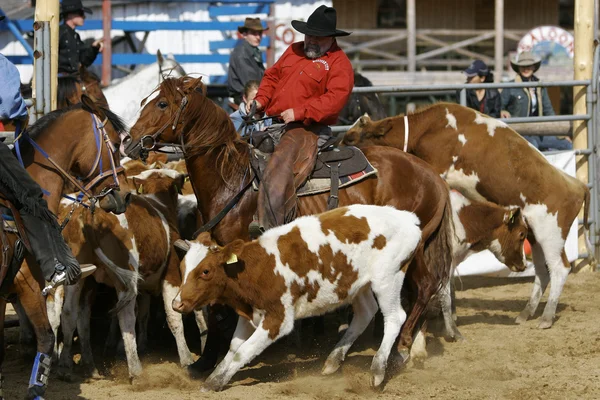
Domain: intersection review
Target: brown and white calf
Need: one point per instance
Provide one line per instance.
(306, 268)
(135, 253)
(480, 226)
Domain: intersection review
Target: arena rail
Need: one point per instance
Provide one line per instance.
(560, 125)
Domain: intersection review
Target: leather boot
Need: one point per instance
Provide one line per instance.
(50, 250)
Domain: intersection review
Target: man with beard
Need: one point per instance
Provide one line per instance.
(306, 90)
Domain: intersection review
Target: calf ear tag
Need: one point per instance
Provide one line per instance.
(232, 259)
(141, 189)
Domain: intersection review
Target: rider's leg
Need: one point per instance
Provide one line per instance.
(289, 167)
(47, 244)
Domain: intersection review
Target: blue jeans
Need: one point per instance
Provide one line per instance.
(546, 143)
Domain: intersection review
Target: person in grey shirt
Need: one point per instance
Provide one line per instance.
(246, 62)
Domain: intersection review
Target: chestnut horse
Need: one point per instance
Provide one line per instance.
(487, 161)
(218, 162)
(66, 144)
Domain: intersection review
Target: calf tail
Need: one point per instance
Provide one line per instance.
(128, 278)
(438, 248)
(586, 228)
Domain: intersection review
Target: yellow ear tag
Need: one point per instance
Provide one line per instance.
(232, 259)
(141, 189)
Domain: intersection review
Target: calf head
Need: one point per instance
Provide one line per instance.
(154, 181)
(508, 240)
(205, 273)
(367, 132)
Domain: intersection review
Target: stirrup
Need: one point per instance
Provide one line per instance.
(255, 230)
(87, 270)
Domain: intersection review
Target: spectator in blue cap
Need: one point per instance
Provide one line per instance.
(486, 101)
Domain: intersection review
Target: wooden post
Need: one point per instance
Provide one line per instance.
(271, 32)
(49, 10)
(499, 41)
(582, 65)
(107, 52)
(411, 42)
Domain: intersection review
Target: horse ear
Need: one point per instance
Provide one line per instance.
(159, 57)
(199, 86)
(91, 106)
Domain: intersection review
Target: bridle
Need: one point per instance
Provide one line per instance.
(148, 143)
(100, 136)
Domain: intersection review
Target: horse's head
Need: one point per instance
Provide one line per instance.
(90, 86)
(97, 161)
(168, 67)
(161, 117)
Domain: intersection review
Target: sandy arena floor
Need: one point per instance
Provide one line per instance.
(498, 360)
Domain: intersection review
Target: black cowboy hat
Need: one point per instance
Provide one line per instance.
(73, 6)
(252, 23)
(322, 22)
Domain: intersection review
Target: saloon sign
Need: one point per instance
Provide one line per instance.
(548, 39)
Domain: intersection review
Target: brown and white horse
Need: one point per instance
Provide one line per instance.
(218, 162)
(486, 160)
(66, 145)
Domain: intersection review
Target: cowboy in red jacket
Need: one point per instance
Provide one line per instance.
(307, 88)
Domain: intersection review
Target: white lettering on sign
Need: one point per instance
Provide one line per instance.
(552, 34)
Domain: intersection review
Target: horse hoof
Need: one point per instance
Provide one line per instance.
(522, 318)
(65, 376)
(330, 367)
(545, 323)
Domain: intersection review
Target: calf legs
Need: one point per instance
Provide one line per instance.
(452, 331)
(388, 296)
(126, 318)
(365, 307)
(551, 266)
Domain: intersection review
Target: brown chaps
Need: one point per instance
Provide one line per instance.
(289, 167)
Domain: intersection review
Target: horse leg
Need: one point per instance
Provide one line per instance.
(29, 292)
(143, 314)
(83, 329)
(365, 307)
(542, 278)
(127, 318)
(68, 322)
(27, 340)
(426, 288)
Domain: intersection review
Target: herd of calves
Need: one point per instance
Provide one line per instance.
(360, 254)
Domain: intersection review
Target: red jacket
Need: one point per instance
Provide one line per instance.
(316, 89)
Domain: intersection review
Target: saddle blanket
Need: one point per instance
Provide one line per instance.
(321, 185)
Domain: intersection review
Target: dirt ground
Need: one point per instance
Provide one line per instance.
(498, 359)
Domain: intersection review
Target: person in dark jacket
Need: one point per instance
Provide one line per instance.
(72, 52)
(487, 101)
(529, 102)
(246, 62)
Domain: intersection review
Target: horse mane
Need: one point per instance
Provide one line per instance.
(47, 121)
(67, 88)
(88, 74)
(361, 80)
(209, 128)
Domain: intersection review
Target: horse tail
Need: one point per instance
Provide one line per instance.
(438, 248)
(128, 278)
